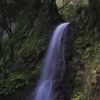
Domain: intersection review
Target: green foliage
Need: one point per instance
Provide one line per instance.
(15, 81)
(78, 96)
(36, 71)
(29, 40)
(18, 66)
(86, 53)
(67, 12)
(71, 12)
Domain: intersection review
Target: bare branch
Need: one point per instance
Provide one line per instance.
(64, 5)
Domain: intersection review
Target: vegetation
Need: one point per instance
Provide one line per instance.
(22, 52)
(84, 80)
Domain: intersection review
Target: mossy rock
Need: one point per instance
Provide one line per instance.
(78, 96)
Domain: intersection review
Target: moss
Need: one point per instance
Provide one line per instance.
(78, 96)
(86, 54)
(14, 82)
(31, 36)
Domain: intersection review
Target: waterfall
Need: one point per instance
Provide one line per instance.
(51, 83)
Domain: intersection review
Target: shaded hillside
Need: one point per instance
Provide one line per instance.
(24, 50)
(85, 65)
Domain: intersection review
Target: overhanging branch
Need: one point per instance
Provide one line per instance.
(64, 5)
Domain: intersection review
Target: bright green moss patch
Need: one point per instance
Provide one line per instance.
(78, 96)
(14, 82)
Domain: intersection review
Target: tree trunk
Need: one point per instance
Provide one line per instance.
(12, 52)
(1, 53)
(5, 72)
(1, 35)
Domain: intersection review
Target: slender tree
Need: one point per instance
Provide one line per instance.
(9, 10)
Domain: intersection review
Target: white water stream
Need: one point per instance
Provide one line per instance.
(54, 66)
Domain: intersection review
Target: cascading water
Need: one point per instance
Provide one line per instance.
(51, 84)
